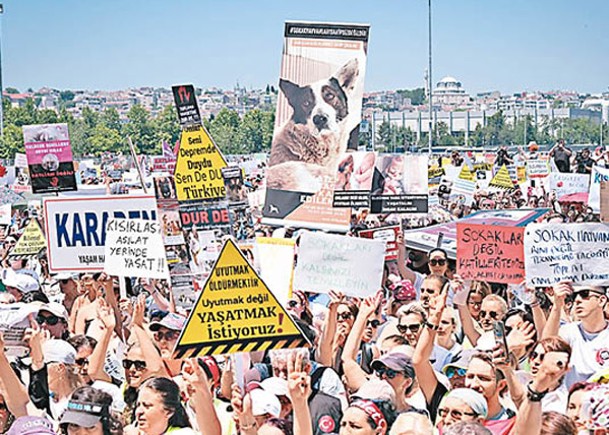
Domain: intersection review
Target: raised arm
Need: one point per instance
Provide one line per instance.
(467, 321)
(14, 392)
(405, 271)
(201, 398)
(561, 291)
(97, 360)
(151, 354)
(299, 390)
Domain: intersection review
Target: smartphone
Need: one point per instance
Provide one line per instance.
(500, 338)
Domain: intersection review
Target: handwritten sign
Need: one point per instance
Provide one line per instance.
(537, 168)
(564, 183)
(327, 262)
(134, 247)
(490, 253)
(566, 252)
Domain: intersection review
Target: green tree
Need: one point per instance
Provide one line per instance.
(111, 119)
(142, 130)
(256, 131)
(417, 96)
(224, 129)
(11, 142)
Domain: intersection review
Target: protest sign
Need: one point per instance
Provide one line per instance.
(236, 193)
(598, 176)
(537, 168)
(186, 105)
(350, 265)
(236, 312)
(76, 228)
(14, 320)
(434, 174)
(31, 242)
(49, 157)
(463, 191)
(388, 235)
(134, 247)
(557, 252)
(566, 183)
(502, 179)
(275, 258)
(198, 173)
(8, 196)
(305, 157)
(490, 253)
(354, 180)
(202, 216)
(466, 174)
(604, 200)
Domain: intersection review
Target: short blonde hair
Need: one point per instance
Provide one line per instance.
(412, 308)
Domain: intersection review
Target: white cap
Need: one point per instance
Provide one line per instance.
(58, 351)
(22, 282)
(277, 386)
(265, 402)
(56, 309)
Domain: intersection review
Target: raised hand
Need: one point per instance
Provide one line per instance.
(561, 292)
(105, 314)
(336, 298)
(138, 311)
(553, 367)
(299, 382)
(520, 338)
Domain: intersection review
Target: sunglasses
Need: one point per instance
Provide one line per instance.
(454, 413)
(81, 361)
(384, 371)
(169, 335)
(138, 365)
(584, 294)
(439, 262)
(343, 316)
(452, 371)
(51, 320)
(414, 328)
(492, 314)
(535, 355)
(292, 304)
(374, 323)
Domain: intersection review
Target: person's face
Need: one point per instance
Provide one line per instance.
(410, 326)
(438, 263)
(453, 410)
(344, 319)
(586, 303)
(151, 416)
(429, 290)
(74, 429)
(136, 371)
(481, 378)
(82, 363)
(295, 306)
(166, 339)
(371, 328)
(447, 324)
(536, 358)
(574, 407)
(49, 321)
(68, 287)
(474, 304)
(355, 422)
(490, 311)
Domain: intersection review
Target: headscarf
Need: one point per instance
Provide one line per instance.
(471, 398)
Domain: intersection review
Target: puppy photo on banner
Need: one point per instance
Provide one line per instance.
(318, 114)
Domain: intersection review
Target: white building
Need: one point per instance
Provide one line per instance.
(449, 92)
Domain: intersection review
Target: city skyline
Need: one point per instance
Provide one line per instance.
(509, 46)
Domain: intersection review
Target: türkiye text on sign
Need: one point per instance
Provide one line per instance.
(198, 171)
(236, 312)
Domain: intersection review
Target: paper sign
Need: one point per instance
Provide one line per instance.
(350, 265)
(8, 196)
(576, 253)
(604, 200)
(198, 173)
(598, 176)
(76, 228)
(490, 253)
(565, 183)
(186, 105)
(236, 312)
(388, 235)
(537, 168)
(276, 260)
(502, 179)
(31, 242)
(134, 247)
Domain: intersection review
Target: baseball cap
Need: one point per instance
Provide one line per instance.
(22, 282)
(265, 402)
(58, 351)
(31, 426)
(84, 414)
(172, 321)
(397, 361)
(461, 360)
(56, 309)
(277, 386)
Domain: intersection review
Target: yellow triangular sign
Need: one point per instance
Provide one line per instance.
(198, 171)
(31, 242)
(236, 312)
(502, 179)
(466, 174)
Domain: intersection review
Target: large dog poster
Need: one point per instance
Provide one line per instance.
(49, 157)
(318, 115)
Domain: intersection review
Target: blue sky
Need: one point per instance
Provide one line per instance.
(506, 45)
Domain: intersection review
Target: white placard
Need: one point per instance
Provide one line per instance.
(565, 183)
(350, 265)
(594, 200)
(537, 168)
(76, 228)
(134, 247)
(577, 253)
(276, 260)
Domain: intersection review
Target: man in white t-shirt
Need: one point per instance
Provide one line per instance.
(589, 336)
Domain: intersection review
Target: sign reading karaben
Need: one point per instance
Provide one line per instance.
(198, 172)
(236, 312)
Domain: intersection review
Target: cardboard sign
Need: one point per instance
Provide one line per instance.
(275, 257)
(134, 247)
(604, 200)
(388, 235)
(76, 228)
(236, 312)
(565, 183)
(598, 176)
(576, 253)
(31, 242)
(49, 157)
(186, 105)
(463, 191)
(201, 216)
(490, 253)
(198, 173)
(502, 179)
(350, 265)
(537, 168)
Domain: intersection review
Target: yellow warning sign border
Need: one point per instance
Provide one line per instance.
(23, 256)
(220, 347)
(501, 186)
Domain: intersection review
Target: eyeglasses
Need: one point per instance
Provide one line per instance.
(438, 262)
(51, 320)
(374, 323)
(535, 355)
(344, 316)
(384, 371)
(414, 328)
(169, 335)
(138, 365)
(493, 314)
(452, 371)
(584, 294)
(81, 361)
(454, 413)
